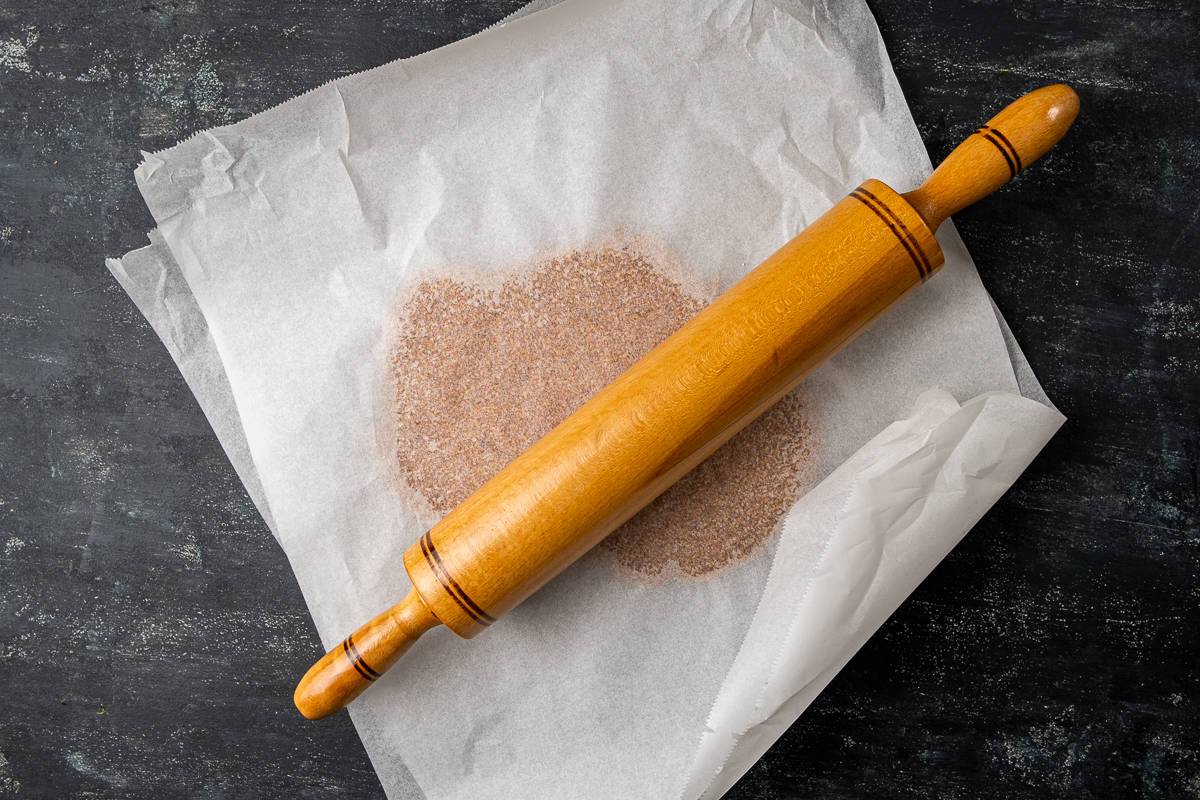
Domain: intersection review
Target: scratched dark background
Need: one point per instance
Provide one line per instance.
(151, 630)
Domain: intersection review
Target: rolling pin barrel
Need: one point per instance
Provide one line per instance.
(682, 401)
(670, 410)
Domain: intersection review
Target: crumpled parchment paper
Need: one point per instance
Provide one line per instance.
(718, 128)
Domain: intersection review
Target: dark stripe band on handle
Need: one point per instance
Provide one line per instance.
(898, 228)
(469, 607)
(356, 660)
(1004, 146)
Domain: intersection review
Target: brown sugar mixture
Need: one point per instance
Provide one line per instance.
(479, 374)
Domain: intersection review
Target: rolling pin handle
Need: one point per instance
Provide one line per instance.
(993, 155)
(347, 670)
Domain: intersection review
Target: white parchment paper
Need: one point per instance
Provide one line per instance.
(718, 128)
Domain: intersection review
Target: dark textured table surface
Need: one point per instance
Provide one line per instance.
(151, 630)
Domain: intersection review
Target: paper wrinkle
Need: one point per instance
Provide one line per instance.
(230, 160)
(376, 225)
(717, 131)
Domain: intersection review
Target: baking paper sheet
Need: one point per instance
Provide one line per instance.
(718, 129)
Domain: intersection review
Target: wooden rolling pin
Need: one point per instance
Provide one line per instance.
(683, 400)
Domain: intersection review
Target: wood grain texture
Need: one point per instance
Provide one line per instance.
(1051, 655)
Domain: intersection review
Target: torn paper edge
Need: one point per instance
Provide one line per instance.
(150, 158)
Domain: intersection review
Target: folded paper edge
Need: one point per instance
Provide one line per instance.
(726, 750)
(149, 275)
